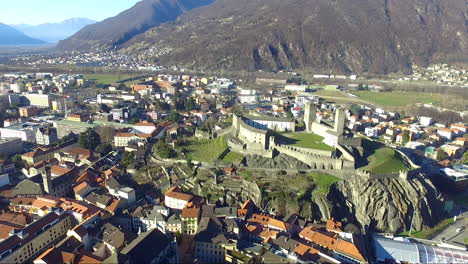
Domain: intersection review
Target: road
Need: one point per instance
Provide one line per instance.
(450, 234)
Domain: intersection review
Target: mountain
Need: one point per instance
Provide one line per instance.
(117, 30)
(12, 37)
(378, 36)
(53, 32)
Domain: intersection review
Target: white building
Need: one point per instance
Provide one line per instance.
(145, 127)
(371, 132)
(425, 121)
(175, 199)
(295, 88)
(25, 131)
(128, 194)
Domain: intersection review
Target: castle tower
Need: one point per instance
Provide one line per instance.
(340, 117)
(310, 113)
(47, 180)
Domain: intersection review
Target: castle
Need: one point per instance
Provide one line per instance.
(332, 135)
(252, 136)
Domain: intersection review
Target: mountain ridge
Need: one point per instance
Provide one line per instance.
(377, 36)
(12, 37)
(53, 32)
(117, 30)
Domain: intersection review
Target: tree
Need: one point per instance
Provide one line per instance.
(127, 158)
(18, 161)
(104, 148)
(105, 108)
(465, 158)
(189, 105)
(441, 155)
(163, 150)
(405, 138)
(89, 139)
(174, 116)
(355, 109)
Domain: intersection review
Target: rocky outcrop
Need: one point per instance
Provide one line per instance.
(387, 205)
(280, 162)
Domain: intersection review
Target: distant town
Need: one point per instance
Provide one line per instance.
(178, 168)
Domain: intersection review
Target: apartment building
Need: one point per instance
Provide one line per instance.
(9, 146)
(24, 245)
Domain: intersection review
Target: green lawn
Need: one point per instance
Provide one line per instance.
(429, 233)
(205, 149)
(305, 140)
(385, 160)
(323, 181)
(233, 157)
(397, 99)
(107, 78)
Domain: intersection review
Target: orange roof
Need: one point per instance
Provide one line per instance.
(145, 123)
(459, 126)
(113, 206)
(175, 193)
(278, 224)
(141, 135)
(59, 171)
(189, 213)
(310, 234)
(445, 130)
(80, 186)
(266, 234)
(303, 249)
(334, 226)
(347, 248)
(461, 139)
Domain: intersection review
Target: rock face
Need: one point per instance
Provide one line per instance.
(387, 205)
(280, 162)
(379, 36)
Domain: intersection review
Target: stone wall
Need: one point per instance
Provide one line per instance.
(255, 139)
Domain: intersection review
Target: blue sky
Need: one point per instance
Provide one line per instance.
(43, 11)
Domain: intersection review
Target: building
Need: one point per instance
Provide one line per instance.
(209, 241)
(295, 88)
(46, 136)
(425, 121)
(78, 118)
(189, 219)
(28, 111)
(40, 100)
(273, 123)
(9, 146)
(127, 139)
(174, 198)
(145, 127)
(143, 249)
(371, 132)
(394, 251)
(446, 133)
(26, 131)
(25, 244)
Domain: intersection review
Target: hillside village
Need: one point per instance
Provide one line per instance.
(160, 170)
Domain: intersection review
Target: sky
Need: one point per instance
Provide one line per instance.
(36, 12)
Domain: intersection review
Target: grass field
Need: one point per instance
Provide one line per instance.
(205, 149)
(397, 99)
(106, 78)
(323, 181)
(385, 160)
(305, 140)
(233, 157)
(429, 233)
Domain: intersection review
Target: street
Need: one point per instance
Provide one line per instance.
(450, 234)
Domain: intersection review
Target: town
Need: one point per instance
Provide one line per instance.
(178, 168)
